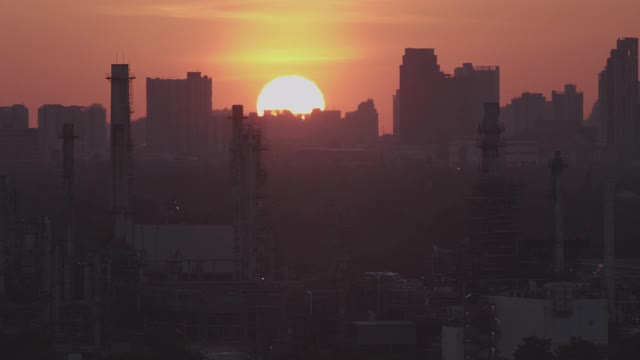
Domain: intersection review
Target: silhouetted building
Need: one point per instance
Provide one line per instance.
(362, 124)
(179, 115)
(18, 143)
(527, 116)
(567, 106)
(325, 126)
(618, 94)
(494, 326)
(92, 135)
(567, 114)
(139, 132)
(420, 95)
(14, 117)
(474, 86)
(434, 107)
(321, 128)
(220, 132)
(90, 126)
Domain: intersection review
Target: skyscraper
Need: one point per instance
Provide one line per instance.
(618, 94)
(434, 107)
(14, 117)
(420, 93)
(18, 143)
(179, 115)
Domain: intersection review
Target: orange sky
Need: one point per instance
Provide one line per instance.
(59, 51)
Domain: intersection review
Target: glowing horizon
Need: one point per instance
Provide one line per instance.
(352, 48)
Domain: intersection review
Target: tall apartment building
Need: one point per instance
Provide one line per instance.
(362, 124)
(434, 107)
(14, 117)
(618, 95)
(527, 116)
(90, 126)
(420, 93)
(567, 112)
(179, 115)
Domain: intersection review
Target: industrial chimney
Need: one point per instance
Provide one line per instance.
(121, 158)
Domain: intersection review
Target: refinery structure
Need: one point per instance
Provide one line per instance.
(226, 289)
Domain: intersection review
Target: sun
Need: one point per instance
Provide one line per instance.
(294, 93)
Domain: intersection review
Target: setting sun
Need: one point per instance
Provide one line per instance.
(293, 93)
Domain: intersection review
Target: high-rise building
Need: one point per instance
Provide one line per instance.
(618, 94)
(528, 115)
(474, 86)
(93, 130)
(139, 132)
(567, 112)
(325, 128)
(14, 117)
(90, 126)
(179, 115)
(362, 124)
(434, 107)
(568, 106)
(420, 104)
(220, 132)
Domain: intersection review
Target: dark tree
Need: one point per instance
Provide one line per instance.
(578, 349)
(534, 348)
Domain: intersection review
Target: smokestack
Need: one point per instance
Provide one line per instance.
(121, 98)
(248, 178)
(121, 157)
(609, 247)
(557, 168)
(120, 189)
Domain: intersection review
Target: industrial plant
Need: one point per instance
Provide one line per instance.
(288, 236)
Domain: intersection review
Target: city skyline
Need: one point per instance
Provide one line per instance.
(206, 180)
(243, 45)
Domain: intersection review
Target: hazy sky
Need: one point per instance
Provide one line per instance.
(58, 51)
